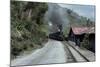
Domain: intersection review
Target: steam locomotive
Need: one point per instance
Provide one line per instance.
(57, 36)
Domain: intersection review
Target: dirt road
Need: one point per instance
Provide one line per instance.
(52, 52)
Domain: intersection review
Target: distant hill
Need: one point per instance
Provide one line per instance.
(76, 20)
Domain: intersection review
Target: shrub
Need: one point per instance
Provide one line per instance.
(85, 42)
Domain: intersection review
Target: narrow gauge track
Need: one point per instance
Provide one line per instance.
(75, 54)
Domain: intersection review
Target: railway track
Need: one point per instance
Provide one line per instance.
(75, 55)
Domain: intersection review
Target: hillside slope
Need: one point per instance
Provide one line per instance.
(28, 30)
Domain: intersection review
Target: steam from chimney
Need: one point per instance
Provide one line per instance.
(56, 16)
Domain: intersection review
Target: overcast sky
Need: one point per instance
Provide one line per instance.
(83, 10)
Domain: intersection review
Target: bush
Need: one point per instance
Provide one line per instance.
(85, 42)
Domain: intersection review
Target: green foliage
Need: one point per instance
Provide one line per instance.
(76, 20)
(26, 24)
(66, 31)
(85, 42)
